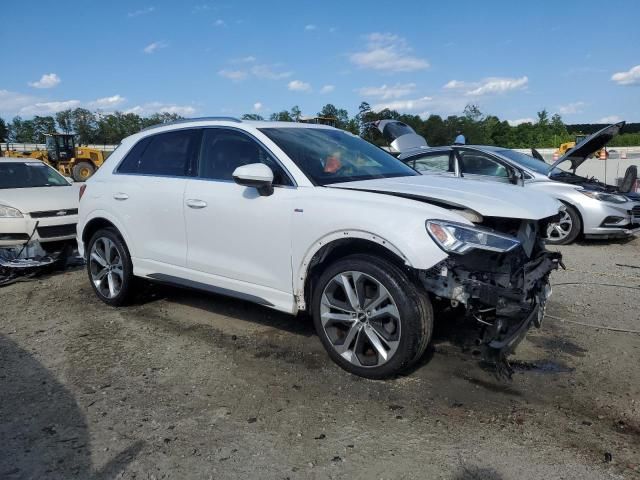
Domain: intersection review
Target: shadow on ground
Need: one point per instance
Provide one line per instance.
(43, 432)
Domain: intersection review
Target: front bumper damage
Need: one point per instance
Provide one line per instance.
(505, 294)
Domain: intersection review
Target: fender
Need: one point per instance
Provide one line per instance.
(302, 271)
(103, 214)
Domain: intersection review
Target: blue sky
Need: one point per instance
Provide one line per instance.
(222, 57)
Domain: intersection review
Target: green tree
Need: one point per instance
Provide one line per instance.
(295, 113)
(252, 116)
(340, 115)
(283, 116)
(4, 130)
(21, 131)
(42, 126)
(64, 119)
(84, 125)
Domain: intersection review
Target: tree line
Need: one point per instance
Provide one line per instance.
(478, 128)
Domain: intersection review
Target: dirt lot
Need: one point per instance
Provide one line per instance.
(189, 385)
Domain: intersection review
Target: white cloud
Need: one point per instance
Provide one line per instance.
(386, 92)
(152, 47)
(498, 85)
(571, 108)
(327, 88)
(257, 106)
(630, 77)
(299, 86)
(610, 119)
(310, 27)
(48, 80)
(234, 75)
(388, 52)
(11, 102)
(269, 72)
(454, 84)
(247, 59)
(107, 102)
(519, 121)
(47, 108)
(414, 105)
(142, 11)
(219, 23)
(158, 107)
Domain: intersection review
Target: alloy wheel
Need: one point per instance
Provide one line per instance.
(105, 265)
(560, 230)
(360, 318)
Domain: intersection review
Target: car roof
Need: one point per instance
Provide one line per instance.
(20, 160)
(231, 121)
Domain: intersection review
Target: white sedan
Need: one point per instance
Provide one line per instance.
(36, 203)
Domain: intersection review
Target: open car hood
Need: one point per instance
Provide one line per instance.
(400, 136)
(488, 199)
(578, 154)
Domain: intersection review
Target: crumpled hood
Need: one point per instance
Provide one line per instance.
(29, 200)
(578, 154)
(488, 199)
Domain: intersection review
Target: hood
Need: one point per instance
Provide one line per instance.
(488, 199)
(401, 137)
(578, 154)
(38, 199)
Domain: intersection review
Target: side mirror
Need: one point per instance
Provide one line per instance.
(516, 176)
(256, 175)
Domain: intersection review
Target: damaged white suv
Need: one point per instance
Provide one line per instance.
(307, 217)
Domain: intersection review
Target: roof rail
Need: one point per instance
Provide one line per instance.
(189, 120)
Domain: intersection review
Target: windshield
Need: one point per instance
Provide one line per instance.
(526, 161)
(333, 156)
(29, 175)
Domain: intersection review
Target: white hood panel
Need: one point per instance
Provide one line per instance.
(29, 200)
(488, 199)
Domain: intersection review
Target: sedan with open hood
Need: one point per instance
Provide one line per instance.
(592, 208)
(300, 217)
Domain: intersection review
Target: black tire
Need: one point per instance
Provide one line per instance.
(125, 293)
(413, 305)
(82, 171)
(574, 232)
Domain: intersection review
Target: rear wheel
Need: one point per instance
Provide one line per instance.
(109, 267)
(567, 229)
(82, 171)
(371, 318)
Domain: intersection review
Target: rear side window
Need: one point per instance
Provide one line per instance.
(166, 154)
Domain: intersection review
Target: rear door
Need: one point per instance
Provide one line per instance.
(148, 194)
(241, 239)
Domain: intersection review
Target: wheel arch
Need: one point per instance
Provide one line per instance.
(102, 220)
(578, 211)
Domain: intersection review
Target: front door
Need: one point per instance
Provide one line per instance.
(240, 238)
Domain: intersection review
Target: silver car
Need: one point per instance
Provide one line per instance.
(593, 208)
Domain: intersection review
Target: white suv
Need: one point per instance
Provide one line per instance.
(307, 217)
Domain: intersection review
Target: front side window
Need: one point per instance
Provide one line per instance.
(332, 156)
(224, 150)
(478, 163)
(437, 162)
(169, 154)
(29, 175)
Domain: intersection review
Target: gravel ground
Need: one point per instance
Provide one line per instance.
(190, 385)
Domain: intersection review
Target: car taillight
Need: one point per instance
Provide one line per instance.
(82, 189)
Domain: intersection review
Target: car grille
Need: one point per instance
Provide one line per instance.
(636, 210)
(57, 231)
(54, 213)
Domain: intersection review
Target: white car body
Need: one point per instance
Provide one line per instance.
(53, 208)
(228, 237)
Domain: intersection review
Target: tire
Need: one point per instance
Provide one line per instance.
(82, 171)
(115, 286)
(403, 337)
(567, 230)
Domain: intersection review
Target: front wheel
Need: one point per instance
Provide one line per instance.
(567, 229)
(371, 318)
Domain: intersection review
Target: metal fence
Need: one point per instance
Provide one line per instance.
(30, 147)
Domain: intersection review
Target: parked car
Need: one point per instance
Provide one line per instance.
(36, 203)
(301, 217)
(593, 208)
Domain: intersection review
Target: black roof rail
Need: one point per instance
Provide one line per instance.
(189, 120)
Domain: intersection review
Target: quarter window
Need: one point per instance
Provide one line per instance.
(224, 150)
(165, 154)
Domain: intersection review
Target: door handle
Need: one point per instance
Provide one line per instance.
(194, 203)
(120, 196)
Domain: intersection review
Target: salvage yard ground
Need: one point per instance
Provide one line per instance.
(189, 385)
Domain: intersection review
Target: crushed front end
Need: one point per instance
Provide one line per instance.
(500, 277)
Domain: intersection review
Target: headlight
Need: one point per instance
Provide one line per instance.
(605, 197)
(9, 212)
(459, 238)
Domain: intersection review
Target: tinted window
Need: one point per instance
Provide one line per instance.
(439, 162)
(29, 175)
(224, 150)
(166, 154)
(477, 163)
(332, 156)
(526, 161)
